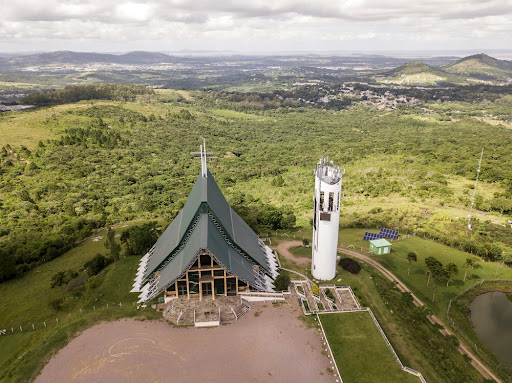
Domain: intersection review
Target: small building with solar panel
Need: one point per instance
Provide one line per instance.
(380, 246)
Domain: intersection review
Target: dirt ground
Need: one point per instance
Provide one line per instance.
(284, 250)
(271, 346)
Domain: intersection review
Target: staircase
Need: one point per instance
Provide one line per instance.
(241, 309)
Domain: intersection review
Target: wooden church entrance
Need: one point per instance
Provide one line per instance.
(206, 279)
(206, 288)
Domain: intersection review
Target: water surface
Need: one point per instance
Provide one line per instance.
(491, 314)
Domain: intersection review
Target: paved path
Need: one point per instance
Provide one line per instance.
(463, 349)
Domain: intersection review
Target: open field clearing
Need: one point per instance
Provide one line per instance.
(360, 351)
(274, 346)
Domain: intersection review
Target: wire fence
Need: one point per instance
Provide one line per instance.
(60, 318)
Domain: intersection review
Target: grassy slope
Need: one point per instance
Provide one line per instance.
(30, 126)
(360, 352)
(417, 280)
(27, 302)
(401, 339)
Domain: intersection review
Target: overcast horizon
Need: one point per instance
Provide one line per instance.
(280, 26)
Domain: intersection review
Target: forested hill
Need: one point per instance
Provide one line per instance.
(97, 163)
(75, 93)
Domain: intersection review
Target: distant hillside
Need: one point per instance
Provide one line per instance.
(419, 73)
(481, 66)
(80, 58)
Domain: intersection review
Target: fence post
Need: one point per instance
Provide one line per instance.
(107, 305)
(94, 307)
(21, 329)
(32, 326)
(57, 320)
(44, 324)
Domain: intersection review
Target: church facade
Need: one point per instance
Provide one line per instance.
(206, 251)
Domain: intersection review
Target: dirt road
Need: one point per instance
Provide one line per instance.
(463, 349)
(284, 250)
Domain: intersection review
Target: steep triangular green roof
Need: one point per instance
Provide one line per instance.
(205, 235)
(206, 199)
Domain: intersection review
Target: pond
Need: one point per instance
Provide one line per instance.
(491, 314)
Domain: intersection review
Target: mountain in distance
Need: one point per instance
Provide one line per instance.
(80, 58)
(417, 73)
(481, 66)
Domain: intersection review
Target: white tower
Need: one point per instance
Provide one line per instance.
(326, 219)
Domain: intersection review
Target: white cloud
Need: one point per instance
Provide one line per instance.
(254, 24)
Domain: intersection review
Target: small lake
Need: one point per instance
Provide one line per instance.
(491, 314)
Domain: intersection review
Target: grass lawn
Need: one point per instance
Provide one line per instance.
(26, 301)
(301, 251)
(360, 351)
(401, 337)
(417, 280)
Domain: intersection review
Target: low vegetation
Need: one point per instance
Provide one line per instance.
(360, 351)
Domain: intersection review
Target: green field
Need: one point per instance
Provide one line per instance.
(27, 300)
(417, 280)
(301, 251)
(360, 351)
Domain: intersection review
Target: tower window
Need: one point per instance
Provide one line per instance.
(321, 200)
(331, 201)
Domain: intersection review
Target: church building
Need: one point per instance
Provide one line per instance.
(206, 251)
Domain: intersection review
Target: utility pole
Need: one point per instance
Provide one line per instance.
(474, 190)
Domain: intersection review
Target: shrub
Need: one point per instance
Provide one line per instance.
(56, 304)
(315, 290)
(281, 283)
(95, 265)
(350, 265)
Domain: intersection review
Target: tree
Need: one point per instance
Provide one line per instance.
(451, 270)
(60, 279)
(112, 245)
(96, 264)
(271, 217)
(288, 221)
(139, 239)
(436, 271)
(305, 242)
(469, 262)
(411, 257)
(281, 283)
(7, 266)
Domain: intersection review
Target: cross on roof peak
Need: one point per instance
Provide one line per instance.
(203, 155)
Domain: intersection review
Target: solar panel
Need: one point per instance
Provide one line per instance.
(368, 236)
(388, 233)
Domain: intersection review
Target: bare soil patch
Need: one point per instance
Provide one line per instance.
(274, 346)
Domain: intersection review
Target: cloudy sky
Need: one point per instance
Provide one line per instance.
(255, 25)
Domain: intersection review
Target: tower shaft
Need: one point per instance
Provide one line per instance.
(328, 180)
